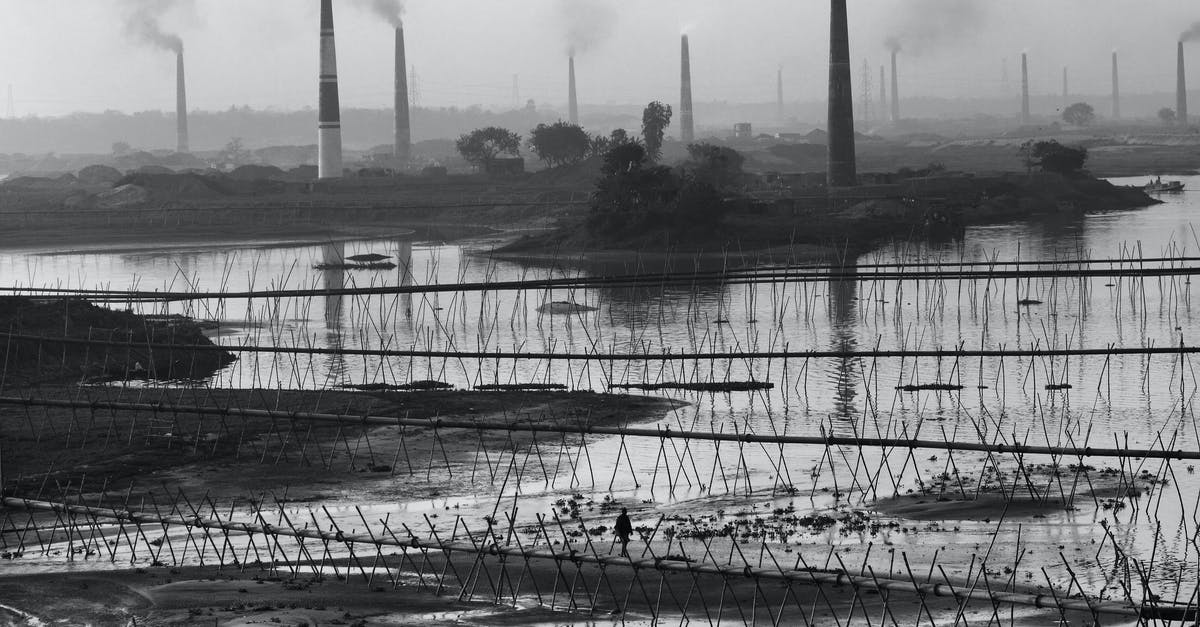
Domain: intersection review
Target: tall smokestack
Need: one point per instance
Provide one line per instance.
(329, 117)
(1024, 89)
(842, 161)
(1116, 89)
(1181, 112)
(883, 92)
(779, 92)
(895, 90)
(687, 128)
(181, 122)
(1066, 90)
(403, 132)
(572, 97)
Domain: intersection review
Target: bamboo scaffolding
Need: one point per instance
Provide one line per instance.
(962, 591)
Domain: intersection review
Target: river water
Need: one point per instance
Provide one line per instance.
(1131, 400)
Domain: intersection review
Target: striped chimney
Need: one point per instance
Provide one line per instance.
(842, 167)
(329, 117)
(181, 121)
(403, 130)
(687, 128)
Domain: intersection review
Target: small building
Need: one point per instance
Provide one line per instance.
(743, 130)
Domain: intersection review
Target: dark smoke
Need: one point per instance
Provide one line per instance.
(922, 25)
(390, 10)
(587, 23)
(1192, 33)
(144, 25)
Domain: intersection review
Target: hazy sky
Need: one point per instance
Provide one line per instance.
(77, 55)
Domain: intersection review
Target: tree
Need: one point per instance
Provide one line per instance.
(481, 146)
(601, 144)
(234, 153)
(718, 166)
(120, 149)
(1079, 114)
(629, 181)
(1052, 156)
(561, 143)
(1167, 115)
(655, 119)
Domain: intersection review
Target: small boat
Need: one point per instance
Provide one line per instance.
(1159, 186)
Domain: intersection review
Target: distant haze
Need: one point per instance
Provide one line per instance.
(95, 55)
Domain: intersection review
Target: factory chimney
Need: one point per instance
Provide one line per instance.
(329, 116)
(883, 92)
(895, 91)
(1024, 88)
(403, 132)
(1066, 90)
(687, 128)
(572, 97)
(842, 165)
(779, 93)
(1116, 89)
(181, 122)
(1181, 112)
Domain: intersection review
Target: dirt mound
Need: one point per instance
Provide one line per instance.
(99, 174)
(122, 196)
(258, 173)
(45, 343)
(168, 186)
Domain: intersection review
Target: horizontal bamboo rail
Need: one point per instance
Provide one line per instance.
(662, 280)
(599, 356)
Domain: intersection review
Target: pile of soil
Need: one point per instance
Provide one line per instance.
(33, 331)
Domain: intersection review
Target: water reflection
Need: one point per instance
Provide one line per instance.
(333, 275)
(843, 319)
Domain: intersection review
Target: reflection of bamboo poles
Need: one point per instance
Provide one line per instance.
(76, 519)
(529, 427)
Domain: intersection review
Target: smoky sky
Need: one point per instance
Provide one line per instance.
(391, 11)
(92, 55)
(586, 24)
(144, 24)
(1192, 33)
(920, 26)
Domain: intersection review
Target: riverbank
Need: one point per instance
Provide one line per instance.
(793, 227)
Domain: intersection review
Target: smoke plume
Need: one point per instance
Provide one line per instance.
(587, 23)
(922, 25)
(390, 10)
(144, 24)
(1192, 33)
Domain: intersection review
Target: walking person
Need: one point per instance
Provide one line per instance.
(624, 530)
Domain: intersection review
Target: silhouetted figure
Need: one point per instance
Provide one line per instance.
(624, 529)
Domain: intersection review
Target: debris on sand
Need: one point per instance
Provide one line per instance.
(716, 386)
(520, 387)
(930, 387)
(368, 258)
(564, 307)
(415, 386)
(377, 265)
